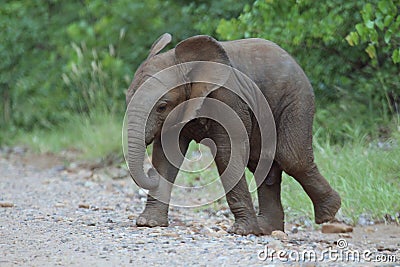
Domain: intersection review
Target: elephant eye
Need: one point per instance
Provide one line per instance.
(162, 107)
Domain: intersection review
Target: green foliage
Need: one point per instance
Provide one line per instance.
(54, 66)
(61, 58)
(379, 29)
(30, 62)
(319, 36)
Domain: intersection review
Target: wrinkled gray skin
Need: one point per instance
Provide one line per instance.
(291, 99)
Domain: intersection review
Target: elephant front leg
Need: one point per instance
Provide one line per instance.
(271, 216)
(157, 205)
(237, 195)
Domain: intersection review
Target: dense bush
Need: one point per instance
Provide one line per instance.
(349, 50)
(67, 57)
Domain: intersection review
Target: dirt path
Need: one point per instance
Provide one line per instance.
(60, 217)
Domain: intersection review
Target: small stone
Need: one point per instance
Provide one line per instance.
(84, 206)
(335, 228)
(19, 150)
(222, 233)
(345, 235)
(117, 173)
(370, 230)
(59, 205)
(73, 166)
(6, 204)
(277, 234)
(109, 221)
(276, 245)
(171, 234)
(59, 168)
(295, 230)
(131, 217)
(91, 224)
(154, 234)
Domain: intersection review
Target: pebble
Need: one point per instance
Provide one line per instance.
(345, 235)
(334, 228)
(6, 204)
(295, 230)
(83, 206)
(279, 235)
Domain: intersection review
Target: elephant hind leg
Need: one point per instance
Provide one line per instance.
(295, 155)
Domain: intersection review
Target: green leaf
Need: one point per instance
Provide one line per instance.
(367, 13)
(362, 31)
(371, 51)
(388, 20)
(370, 24)
(379, 23)
(353, 38)
(396, 56)
(388, 36)
(383, 6)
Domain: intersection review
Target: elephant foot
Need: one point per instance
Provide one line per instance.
(326, 209)
(245, 227)
(268, 224)
(152, 219)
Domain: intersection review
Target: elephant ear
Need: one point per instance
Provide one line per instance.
(198, 49)
(160, 44)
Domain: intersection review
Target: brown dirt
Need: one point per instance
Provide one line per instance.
(86, 216)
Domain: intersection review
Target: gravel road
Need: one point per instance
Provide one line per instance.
(50, 216)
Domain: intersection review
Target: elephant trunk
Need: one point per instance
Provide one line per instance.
(137, 150)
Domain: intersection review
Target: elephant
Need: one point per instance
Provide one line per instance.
(290, 96)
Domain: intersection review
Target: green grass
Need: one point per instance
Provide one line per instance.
(93, 136)
(366, 175)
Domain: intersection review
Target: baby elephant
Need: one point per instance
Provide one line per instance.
(279, 80)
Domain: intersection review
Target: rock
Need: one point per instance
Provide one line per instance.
(131, 217)
(84, 174)
(83, 206)
(117, 173)
(345, 235)
(365, 219)
(59, 168)
(6, 204)
(19, 150)
(276, 245)
(171, 234)
(277, 234)
(335, 228)
(370, 230)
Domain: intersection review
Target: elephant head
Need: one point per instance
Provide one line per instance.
(155, 101)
